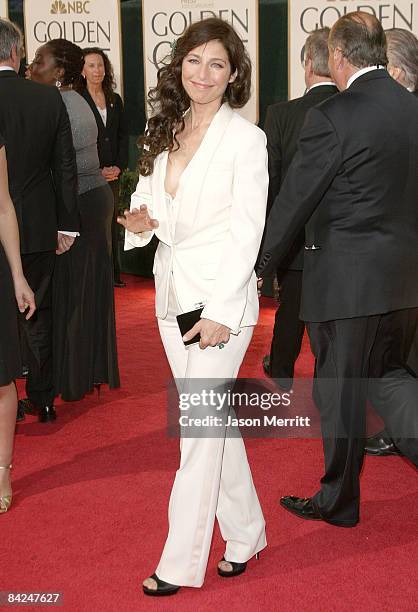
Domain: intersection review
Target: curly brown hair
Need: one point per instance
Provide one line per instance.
(169, 100)
(109, 83)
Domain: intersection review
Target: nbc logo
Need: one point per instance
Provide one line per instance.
(58, 7)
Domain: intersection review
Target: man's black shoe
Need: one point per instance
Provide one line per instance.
(304, 508)
(380, 445)
(301, 506)
(266, 365)
(44, 413)
(47, 414)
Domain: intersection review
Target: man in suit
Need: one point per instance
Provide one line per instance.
(402, 53)
(42, 180)
(354, 180)
(282, 127)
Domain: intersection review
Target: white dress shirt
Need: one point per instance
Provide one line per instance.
(103, 114)
(330, 83)
(358, 74)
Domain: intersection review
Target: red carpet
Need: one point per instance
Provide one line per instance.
(91, 493)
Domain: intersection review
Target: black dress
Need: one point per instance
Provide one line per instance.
(83, 299)
(10, 364)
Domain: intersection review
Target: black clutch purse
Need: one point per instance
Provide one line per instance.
(186, 320)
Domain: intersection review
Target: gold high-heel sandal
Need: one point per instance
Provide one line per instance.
(5, 500)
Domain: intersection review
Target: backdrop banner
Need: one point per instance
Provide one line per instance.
(304, 16)
(163, 21)
(4, 9)
(87, 23)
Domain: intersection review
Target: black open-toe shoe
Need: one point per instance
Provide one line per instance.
(163, 588)
(237, 568)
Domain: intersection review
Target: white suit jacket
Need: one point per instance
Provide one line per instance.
(218, 228)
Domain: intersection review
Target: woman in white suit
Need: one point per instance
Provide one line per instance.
(203, 190)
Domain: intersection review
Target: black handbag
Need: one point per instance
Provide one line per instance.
(186, 321)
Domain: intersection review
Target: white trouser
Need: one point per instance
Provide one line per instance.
(214, 476)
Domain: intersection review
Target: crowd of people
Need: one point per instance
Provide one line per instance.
(63, 166)
(336, 170)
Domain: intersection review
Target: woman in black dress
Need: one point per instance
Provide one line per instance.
(97, 88)
(83, 302)
(13, 287)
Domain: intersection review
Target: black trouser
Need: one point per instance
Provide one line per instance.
(116, 229)
(413, 355)
(288, 328)
(347, 352)
(37, 332)
(393, 388)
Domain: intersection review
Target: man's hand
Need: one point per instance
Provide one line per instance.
(64, 243)
(211, 333)
(137, 221)
(24, 296)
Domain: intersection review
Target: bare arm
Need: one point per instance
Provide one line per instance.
(9, 237)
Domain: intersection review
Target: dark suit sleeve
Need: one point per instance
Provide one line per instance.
(64, 171)
(309, 176)
(274, 149)
(122, 156)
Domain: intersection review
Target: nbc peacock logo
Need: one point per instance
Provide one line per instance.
(58, 8)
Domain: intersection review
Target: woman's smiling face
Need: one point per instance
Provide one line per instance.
(206, 73)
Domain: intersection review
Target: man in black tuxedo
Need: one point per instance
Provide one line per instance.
(42, 181)
(402, 54)
(354, 180)
(283, 123)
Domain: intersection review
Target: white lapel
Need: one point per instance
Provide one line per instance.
(190, 189)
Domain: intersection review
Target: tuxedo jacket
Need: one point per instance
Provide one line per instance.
(112, 140)
(354, 179)
(283, 124)
(413, 356)
(211, 248)
(41, 161)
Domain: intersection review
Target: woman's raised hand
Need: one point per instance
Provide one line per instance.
(137, 221)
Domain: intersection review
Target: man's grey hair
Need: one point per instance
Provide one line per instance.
(316, 49)
(10, 36)
(361, 39)
(402, 53)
